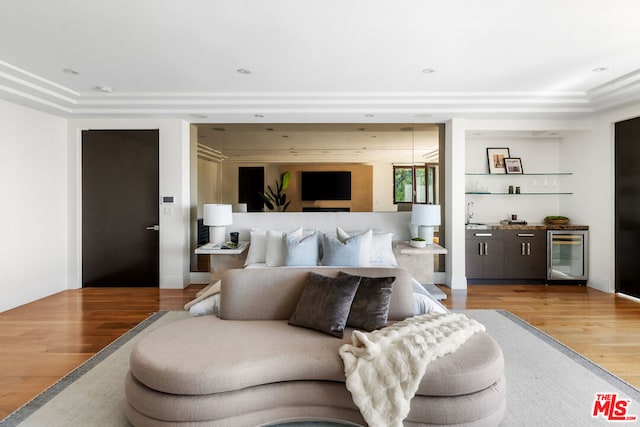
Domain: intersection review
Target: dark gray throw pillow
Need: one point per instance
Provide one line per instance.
(370, 306)
(325, 303)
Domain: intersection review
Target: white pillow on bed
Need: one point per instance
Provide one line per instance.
(302, 252)
(275, 246)
(258, 247)
(380, 250)
(365, 244)
(343, 254)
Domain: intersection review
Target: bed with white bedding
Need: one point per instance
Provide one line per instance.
(304, 248)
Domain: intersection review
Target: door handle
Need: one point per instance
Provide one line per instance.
(528, 248)
(486, 248)
(522, 251)
(154, 228)
(480, 252)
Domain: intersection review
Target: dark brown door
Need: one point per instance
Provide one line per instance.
(120, 202)
(627, 206)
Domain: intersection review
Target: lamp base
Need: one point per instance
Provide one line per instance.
(217, 234)
(426, 232)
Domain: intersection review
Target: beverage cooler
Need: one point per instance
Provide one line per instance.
(567, 256)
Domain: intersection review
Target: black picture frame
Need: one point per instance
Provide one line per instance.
(495, 159)
(513, 165)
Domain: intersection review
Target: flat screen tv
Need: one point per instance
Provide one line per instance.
(326, 185)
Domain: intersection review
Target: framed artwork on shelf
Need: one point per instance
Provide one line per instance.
(495, 157)
(513, 165)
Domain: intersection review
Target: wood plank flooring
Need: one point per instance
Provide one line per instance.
(42, 341)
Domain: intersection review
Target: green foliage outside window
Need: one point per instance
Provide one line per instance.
(403, 187)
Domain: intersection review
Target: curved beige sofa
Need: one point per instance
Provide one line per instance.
(251, 368)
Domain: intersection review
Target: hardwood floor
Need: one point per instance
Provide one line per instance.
(42, 341)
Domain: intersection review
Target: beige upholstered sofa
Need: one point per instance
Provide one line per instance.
(251, 368)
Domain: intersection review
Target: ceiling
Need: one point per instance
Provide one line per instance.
(320, 61)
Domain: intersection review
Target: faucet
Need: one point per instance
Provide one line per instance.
(469, 213)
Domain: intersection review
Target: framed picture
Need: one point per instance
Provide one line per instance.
(513, 165)
(495, 157)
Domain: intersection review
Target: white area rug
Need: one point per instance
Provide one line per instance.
(547, 383)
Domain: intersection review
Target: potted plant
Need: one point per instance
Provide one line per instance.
(418, 242)
(277, 200)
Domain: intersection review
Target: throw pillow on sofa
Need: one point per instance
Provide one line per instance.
(370, 306)
(325, 303)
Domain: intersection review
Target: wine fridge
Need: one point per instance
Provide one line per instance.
(567, 256)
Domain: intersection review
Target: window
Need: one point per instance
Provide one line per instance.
(414, 184)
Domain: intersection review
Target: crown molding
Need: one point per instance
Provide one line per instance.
(36, 92)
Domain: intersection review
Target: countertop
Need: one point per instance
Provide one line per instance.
(526, 227)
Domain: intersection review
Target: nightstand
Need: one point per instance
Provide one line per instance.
(221, 260)
(417, 261)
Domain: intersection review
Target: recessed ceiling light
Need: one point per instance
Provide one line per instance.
(105, 89)
(600, 69)
(243, 71)
(70, 71)
(428, 71)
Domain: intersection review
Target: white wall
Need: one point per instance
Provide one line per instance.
(174, 181)
(591, 156)
(33, 218)
(538, 156)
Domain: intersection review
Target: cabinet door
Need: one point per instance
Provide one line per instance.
(484, 254)
(525, 254)
(473, 259)
(493, 259)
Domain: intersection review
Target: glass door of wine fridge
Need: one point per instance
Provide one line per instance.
(567, 255)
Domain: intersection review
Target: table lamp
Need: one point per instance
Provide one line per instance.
(217, 216)
(425, 217)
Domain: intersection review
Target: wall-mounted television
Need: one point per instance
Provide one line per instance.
(325, 185)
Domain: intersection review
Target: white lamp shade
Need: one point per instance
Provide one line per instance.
(428, 215)
(217, 215)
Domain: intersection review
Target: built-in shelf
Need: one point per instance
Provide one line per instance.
(518, 174)
(482, 193)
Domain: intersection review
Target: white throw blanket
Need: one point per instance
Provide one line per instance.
(384, 367)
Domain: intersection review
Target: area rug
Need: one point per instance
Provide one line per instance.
(548, 384)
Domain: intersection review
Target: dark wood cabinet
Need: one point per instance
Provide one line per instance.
(525, 254)
(484, 254)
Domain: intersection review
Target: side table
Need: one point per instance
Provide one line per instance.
(418, 261)
(221, 260)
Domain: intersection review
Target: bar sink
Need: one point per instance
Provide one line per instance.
(477, 226)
